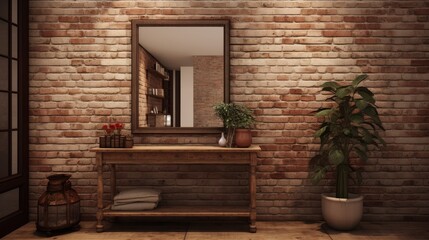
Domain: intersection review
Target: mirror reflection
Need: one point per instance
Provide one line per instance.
(180, 75)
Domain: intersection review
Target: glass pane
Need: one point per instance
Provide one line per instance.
(14, 152)
(12, 199)
(4, 73)
(15, 11)
(4, 6)
(4, 153)
(14, 111)
(4, 111)
(14, 42)
(14, 75)
(4, 39)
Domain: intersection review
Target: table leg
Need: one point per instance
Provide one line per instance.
(252, 186)
(112, 181)
(100, 184)
(112, 186)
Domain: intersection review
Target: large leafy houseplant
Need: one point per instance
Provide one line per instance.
(234, 116)
(349, 126)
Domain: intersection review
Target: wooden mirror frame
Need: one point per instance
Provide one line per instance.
(135, 24)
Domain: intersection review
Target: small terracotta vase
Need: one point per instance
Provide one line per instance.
(243, 137)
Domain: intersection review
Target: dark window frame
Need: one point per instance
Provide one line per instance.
(19, 180)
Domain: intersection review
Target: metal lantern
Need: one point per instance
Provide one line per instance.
(59, 206)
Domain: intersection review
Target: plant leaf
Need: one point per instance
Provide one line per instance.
(356, 118)
(370, 124)
(336, 156)
(324, 138)
(380, 139)
(318, 168)
(323, 112)
(361, 104)
(344, 91)
(359, 79)
(362, 155)
(380, 125)
(318, 174)
(330, 86)
(335, 114)
(367, 97)
(370, 111)
(346, 131)
(364, 89)
(373, 113)
(333, 98)
(319, 132)
(366, 94)
(368, 137)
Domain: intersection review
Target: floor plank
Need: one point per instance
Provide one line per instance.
(233, 231)
(123, 231)
(266, 231)
(382, 231)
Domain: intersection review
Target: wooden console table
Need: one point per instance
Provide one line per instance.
(180, 154)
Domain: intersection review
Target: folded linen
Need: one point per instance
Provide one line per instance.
(138, 195)
(134, 200)
(135, 206)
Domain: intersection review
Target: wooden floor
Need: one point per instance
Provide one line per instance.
(234, 231)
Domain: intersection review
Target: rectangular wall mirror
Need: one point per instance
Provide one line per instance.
(180, 70)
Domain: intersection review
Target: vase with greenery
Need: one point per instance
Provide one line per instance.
(234, 116)
(350, 126)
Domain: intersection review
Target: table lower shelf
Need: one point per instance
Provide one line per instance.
(183, 211)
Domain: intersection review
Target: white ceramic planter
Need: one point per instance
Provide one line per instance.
(342, 213)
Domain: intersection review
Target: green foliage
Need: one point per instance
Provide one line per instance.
(349, 126)
(234, 116)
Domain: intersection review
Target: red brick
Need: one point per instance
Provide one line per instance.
(339, 33)
(420, 63)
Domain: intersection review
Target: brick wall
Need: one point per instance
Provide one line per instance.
(208, 89)
(281, 51)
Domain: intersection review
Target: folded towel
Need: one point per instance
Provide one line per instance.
(135, 206)
(134, 200)
(138, 195)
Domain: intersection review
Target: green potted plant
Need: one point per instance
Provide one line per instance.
(237, 119)
(349, 127)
